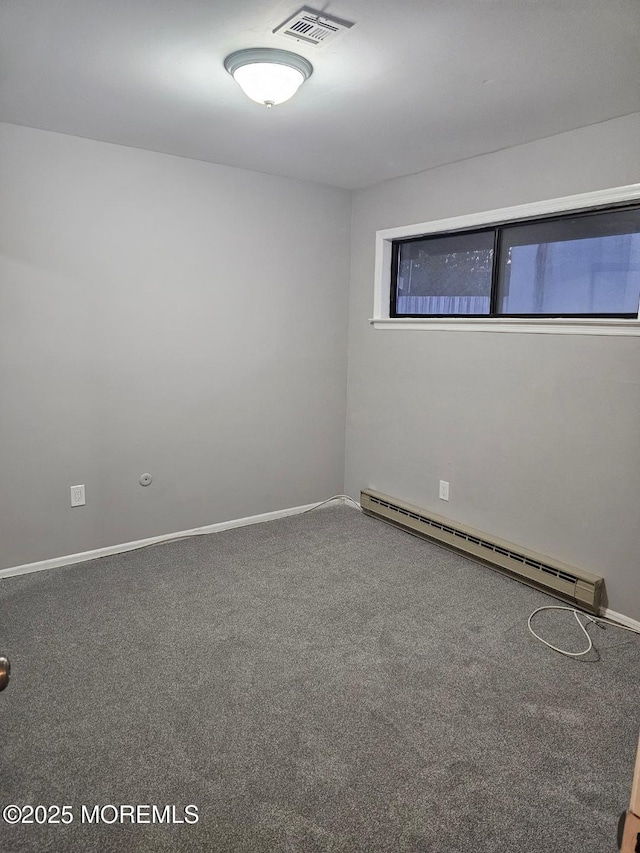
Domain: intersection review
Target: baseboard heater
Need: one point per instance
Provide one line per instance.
(572, 585)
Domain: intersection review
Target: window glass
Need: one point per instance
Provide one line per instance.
(575, 265)
(444, 275)
(584, 264)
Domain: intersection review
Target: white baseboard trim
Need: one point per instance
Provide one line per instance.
(621, 618)
(70, 559)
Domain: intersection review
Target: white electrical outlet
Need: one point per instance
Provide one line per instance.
(77, 496)
(444, 490)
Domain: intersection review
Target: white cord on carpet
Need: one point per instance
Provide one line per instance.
(597, 620)
(334, 498)
(165, 541)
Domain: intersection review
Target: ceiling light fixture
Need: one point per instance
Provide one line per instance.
(266, 75)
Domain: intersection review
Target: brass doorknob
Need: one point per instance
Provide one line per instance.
(5, 671)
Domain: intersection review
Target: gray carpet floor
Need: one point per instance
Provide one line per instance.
(317, 683)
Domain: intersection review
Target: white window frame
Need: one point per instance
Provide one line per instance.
(553, 326)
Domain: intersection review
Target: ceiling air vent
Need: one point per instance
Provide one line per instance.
(311, 27)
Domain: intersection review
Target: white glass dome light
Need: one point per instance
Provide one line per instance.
(266, 75)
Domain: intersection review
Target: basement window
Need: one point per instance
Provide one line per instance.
(575, 270)
(439, 276)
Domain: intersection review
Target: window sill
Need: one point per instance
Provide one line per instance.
(527, 325)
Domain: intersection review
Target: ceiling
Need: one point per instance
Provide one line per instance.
(413, 85)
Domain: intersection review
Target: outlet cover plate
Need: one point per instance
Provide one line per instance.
(77, 496)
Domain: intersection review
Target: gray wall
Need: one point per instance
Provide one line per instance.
(163, 315)
(539, 435)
